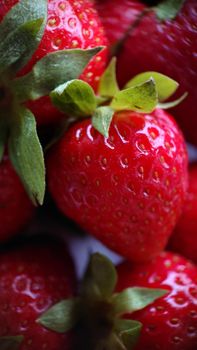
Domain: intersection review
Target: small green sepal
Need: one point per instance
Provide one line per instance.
(172, 104)
(165, 86)
(21, 31)
(136, 298)
(128, 332)
(18, 44)
(75, 98)
(11, 343)
(100, 278)
(52, 70)
(61, 317)
(26, 154)
(101, 119)
(168, 9)
(141, 98)
(108, 85)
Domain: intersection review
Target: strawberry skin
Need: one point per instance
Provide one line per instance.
(168, 47)
(118, 16)
(70, 25)
(128, 189)
(33, 277)
(184, 238)
(16, 209)
(170, 322)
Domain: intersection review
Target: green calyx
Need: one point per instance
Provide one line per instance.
(99, 310)
(21, 31)
(168, 9)
(142, 94)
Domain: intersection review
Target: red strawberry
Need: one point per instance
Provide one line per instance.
(118, 16)
(70, 25)
(127, 189)
(169, 47)
(32, 278)
(170, 322)
(16, 209)
(184, 238)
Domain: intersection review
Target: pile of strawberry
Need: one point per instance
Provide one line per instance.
(102, 149)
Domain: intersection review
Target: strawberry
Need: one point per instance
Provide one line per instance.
(43, 44)
(16, 209)
(184, 240)
(33, 277)
(118, 17)
(121, 175)
(165, 41)
(70, 25)
(170, 322)
(147, 306)
(126, 189)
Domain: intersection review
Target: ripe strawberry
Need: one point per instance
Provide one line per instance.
(33, 277)
(70, 25)
(184, 239)
(118, 16)
(126, 189)
(167, 46)
(170, 322)
(16, 209)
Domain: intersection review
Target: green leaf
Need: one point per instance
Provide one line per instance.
(141, 98)
(52, 70)
(24, 12)
(18, 44)
(74, 98)
(113, 343)
(136, 298)
(101, 277)
(172, 104)
(165, 86)
(102, 118)
(11, 343)
(108, 85)
(61, 317)
(168, 9)
(128, 331)
(26, 154)
(3, 134)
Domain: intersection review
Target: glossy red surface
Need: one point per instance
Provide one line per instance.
(170, 323)
(184, 238)
(16, 209)
(32, 279)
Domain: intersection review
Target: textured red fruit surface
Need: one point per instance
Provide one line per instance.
(184, 238)
(128, 189)
(168, 47)
(32, 279)
(16, 209)
(118, 16)
(170, 323)
(70, 25)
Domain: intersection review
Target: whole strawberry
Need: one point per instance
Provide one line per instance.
(184, 239)
(165, 40)
(70, 25)
(16, 209)
(126, 189)
(43, 44)
(170, 322)
(33, 277)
